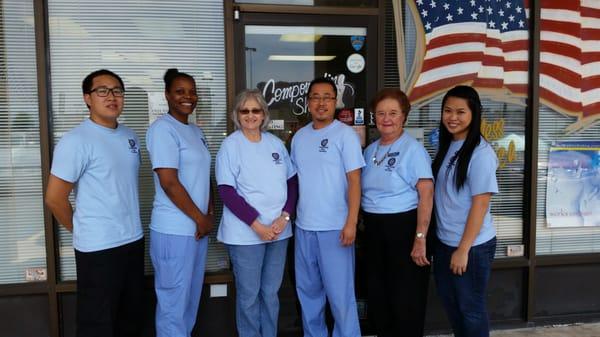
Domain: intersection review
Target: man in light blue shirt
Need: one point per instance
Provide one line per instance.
(99, 160)
(328, 159)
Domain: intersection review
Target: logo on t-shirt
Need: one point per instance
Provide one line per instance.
(452, 161)
(133, 146)
(323, 146)
(276, 158)
(391, 164)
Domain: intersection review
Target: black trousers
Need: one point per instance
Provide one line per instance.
(397, 287)
(110, 286)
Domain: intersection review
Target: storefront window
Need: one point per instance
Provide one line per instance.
(22, 245)
(568, 186)
(440, 49)
(139, 41)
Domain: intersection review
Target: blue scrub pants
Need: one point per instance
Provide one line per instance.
(325, 271)
(464, 296)
(258, 271)
(179, 263)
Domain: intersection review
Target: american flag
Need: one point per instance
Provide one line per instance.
(479, 42)
(570, 59)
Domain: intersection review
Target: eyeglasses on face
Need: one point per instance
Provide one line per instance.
(324, 99)
(104, 91)
(253, 111)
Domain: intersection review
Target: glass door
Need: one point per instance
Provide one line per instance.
(281, 54)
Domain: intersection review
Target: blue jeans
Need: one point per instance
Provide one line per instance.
(258, 271)
(464, 297)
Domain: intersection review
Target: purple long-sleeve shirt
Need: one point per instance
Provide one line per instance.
(245, 212)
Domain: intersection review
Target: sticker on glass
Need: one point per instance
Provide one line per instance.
(355, 63)
(357, 42)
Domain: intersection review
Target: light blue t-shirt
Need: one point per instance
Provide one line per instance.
(259, 173)
(103, 164)
(322, 158)
(452, 207)
(179, 146)
(390, 187)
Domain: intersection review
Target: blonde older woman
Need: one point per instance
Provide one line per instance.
(258, 186)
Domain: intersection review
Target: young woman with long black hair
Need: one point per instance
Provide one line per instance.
(465, 171)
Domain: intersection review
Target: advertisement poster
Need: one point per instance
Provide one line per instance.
(573, 190)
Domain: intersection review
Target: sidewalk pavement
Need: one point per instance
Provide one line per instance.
(559, 330)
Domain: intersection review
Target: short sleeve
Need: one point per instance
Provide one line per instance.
(293, 154)
(351, 151)
(291, 170)
(226, 166)
(70, 159)
(420, 165)
(482, 171)
(163, 146)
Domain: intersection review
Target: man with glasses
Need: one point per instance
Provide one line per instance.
(100, 158)
(328, 158)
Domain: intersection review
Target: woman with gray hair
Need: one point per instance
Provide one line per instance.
(259, 188)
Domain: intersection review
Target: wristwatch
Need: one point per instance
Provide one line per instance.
(420, 235)
(286, 216)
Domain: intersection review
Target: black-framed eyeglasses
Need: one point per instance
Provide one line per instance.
(325, 99)
(104, 91)
(253, 111)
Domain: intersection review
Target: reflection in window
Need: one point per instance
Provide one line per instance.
(282, 60)
(22, 244)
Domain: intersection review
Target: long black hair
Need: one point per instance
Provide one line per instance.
(463, 156)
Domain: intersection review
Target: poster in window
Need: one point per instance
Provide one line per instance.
(573, 189)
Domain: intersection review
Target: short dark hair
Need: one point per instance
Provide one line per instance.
(88, 81)
(170, 76)
(395, 94)
(321, 80)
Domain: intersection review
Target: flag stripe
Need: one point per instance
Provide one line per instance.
(452, 70)
(570, 28)
(437, 62)
(438, 86)
(591, 83)
(562, 49)
(446, 40)
(561, 4)
(568, 77)
(559, 101)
